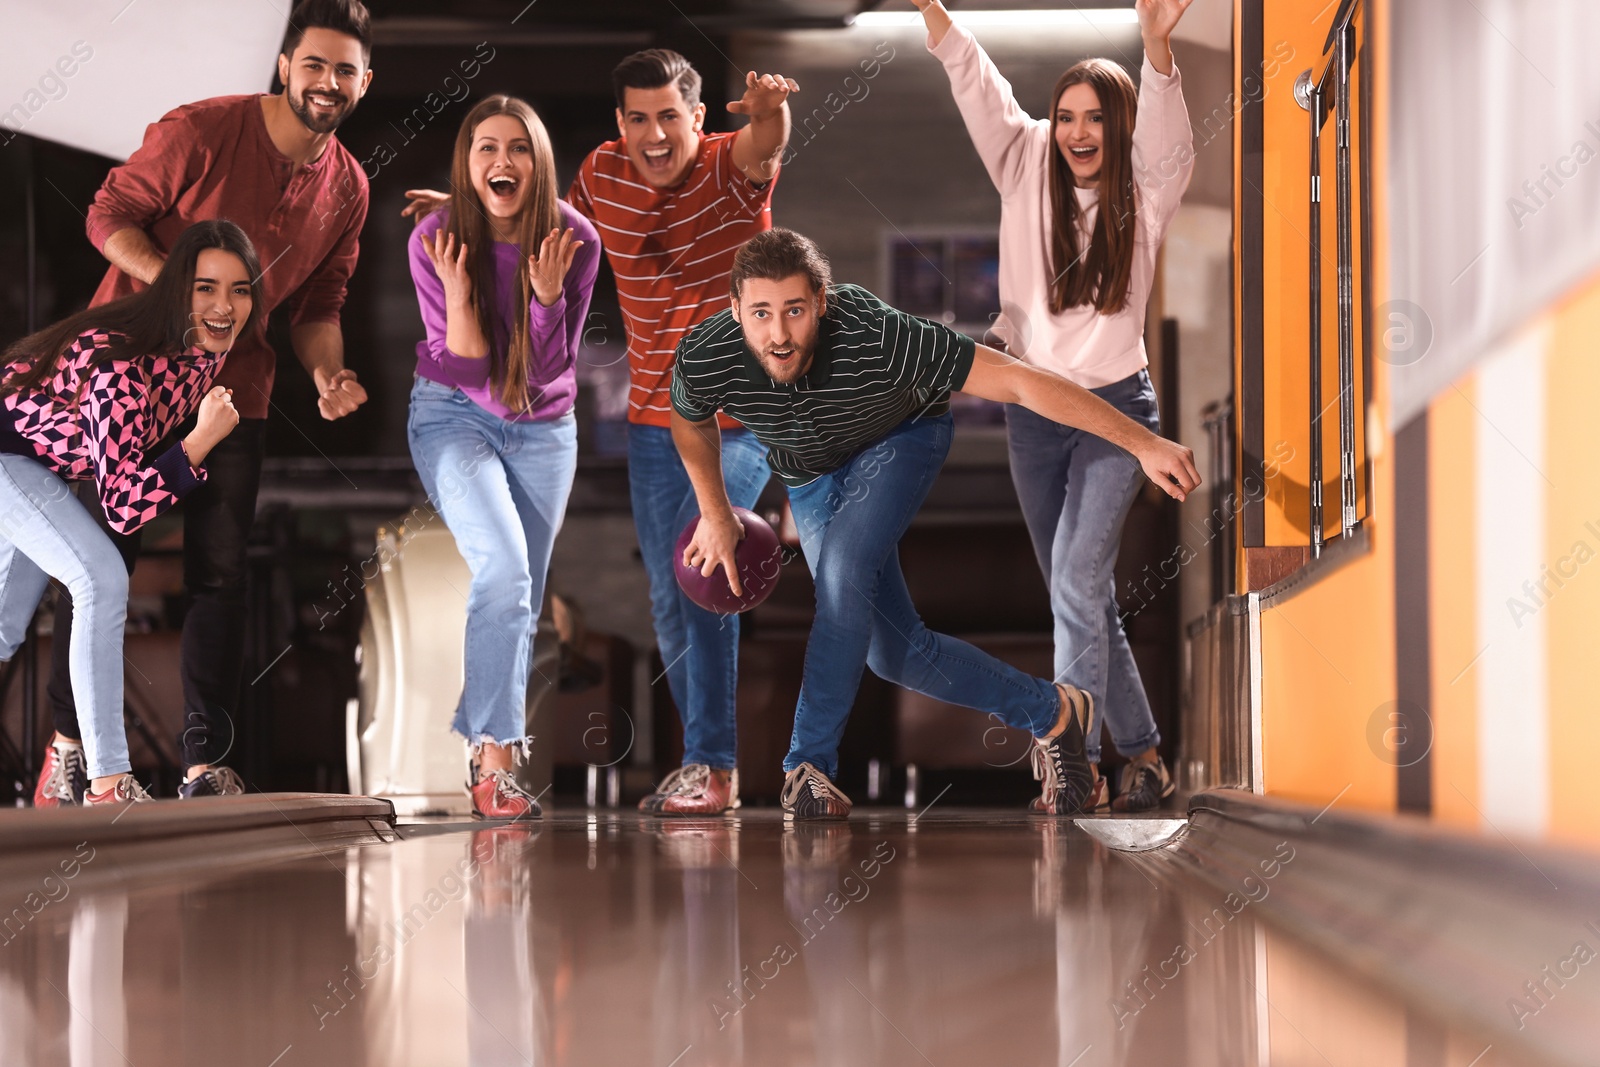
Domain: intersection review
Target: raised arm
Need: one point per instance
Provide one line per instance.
(1157, 20)
(936, 18)
(1163, 141)
(1000, 129)
(996, 376)
(757, 147)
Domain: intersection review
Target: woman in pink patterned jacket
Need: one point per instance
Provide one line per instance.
(88, 398)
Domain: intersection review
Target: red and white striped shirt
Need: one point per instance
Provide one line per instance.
(671, 251)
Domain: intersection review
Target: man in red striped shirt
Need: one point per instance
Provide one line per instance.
(672, 205)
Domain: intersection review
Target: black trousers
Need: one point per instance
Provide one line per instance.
(216, 534)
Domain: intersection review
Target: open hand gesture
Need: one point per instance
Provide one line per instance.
(764, 94)
(547, 270)
(1158, 18)
(450, 264)
(420, 203)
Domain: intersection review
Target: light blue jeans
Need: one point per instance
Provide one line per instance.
(699, 648)
(1076, 489)
(45, 533)
(850, 522)
(502, 488)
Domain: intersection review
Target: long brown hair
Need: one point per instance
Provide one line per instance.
(469, 224)
(153, 321)
(1100, 275)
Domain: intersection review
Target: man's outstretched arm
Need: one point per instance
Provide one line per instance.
(997, 376)
(758, 147)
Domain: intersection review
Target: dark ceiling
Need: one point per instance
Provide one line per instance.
(428, 21)
(404, 18)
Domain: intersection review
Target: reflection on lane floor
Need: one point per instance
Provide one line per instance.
(611, 939)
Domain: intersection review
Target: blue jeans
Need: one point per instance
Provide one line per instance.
(1076, 490)
(700, 648)
(850, 522)
(502, 488)
(45, 533)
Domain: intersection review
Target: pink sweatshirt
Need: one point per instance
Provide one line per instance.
(1080, 344)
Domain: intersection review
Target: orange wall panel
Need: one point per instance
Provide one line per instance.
(1572, 551)
(1453, 622)
(1327, 654)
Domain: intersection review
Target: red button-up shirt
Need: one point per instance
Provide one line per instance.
(215, 160)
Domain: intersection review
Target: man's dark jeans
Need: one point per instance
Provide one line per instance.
(216, 534)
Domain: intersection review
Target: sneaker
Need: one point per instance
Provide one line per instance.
(64, 776)
(125, 790)
(808, 794)
(1143, 786)
(212, 782)
(696, 790)
(1060, 763)
(498, 796)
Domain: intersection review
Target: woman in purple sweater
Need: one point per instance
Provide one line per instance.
(504, 273)
(1086, 196)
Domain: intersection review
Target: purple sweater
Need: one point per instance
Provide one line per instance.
(553, 332)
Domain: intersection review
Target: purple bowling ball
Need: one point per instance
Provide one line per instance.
(758, 556)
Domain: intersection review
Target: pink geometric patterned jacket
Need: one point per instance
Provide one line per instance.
(98, 422)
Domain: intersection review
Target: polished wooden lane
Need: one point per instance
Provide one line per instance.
(958, 938)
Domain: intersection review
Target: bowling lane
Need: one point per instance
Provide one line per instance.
(959, 938)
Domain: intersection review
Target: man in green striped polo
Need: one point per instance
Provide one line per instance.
(852, 400)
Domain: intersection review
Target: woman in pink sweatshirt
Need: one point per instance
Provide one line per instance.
(1086, 196)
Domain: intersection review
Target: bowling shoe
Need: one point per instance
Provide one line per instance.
(700, 790)
(64, 776)
(1060, 763)
(808, 794)
(1099, 801)
(212, 782)
(125, 790)
(651, 804)
(498, 796)
(1143, 786)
